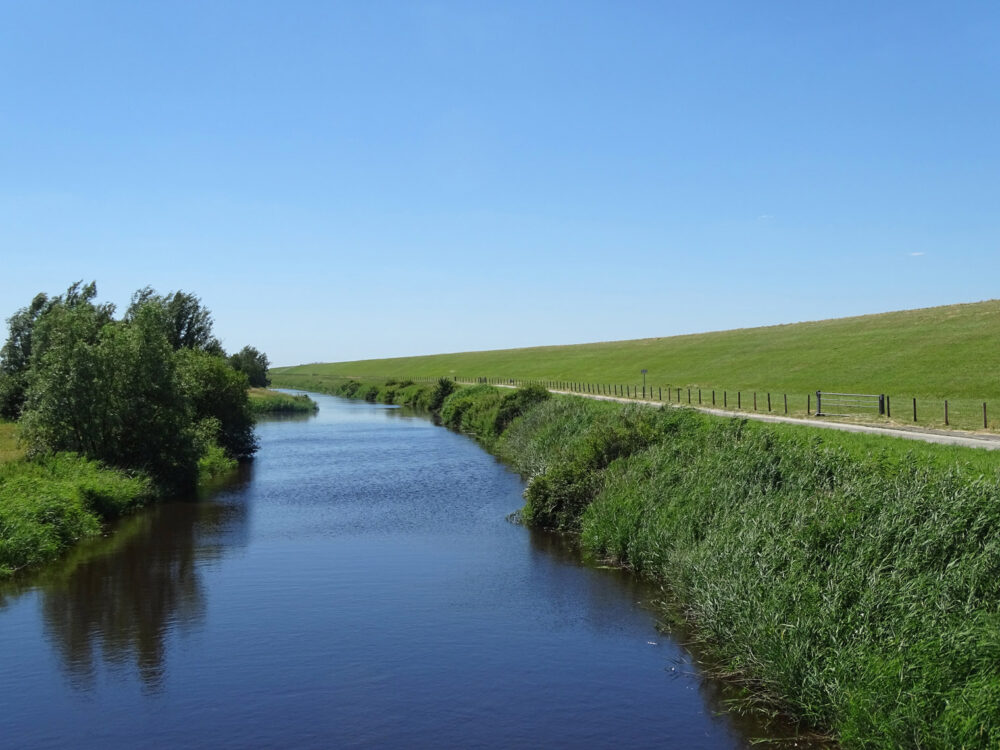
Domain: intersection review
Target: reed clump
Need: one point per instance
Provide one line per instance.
(265, 401)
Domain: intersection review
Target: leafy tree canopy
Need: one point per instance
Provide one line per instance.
(218, 392)
(254, 363)
(187, 322)
(152, 392)
(16, 354)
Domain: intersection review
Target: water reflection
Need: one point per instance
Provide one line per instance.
(376, 597)
(116, 599)
(291, 416)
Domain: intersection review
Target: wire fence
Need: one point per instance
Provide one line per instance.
(899, 409)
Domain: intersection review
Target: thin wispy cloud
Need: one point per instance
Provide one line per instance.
(916, 255)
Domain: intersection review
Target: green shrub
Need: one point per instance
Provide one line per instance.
(444, 388)
(516, 403)
(545, 434)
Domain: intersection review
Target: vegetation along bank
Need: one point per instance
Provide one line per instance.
(853, 581)
(101, 414)
(266, 401)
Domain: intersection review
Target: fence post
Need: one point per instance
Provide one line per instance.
(881, 405)
(946, 412)
(888, 407)
(984, 415)
(725, 400)
(739, 400)
(914, 410)
(689, 395)
(786, 403)
(755, 400)
(678, 395)
(713, 397)
(699, 395)
(769, 402)
(660, 390)
(819, 403)
(808, 404)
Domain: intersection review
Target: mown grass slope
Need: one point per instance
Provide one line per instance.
(930, 354)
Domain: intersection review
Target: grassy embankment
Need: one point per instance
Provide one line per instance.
(931, 354)
(265, 401)
(48, 504)
(852, 580)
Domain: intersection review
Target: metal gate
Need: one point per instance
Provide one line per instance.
(830, 404)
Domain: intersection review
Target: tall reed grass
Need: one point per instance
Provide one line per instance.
(266, 401)
(850, 581)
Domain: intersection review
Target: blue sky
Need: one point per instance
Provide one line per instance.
(350, 180)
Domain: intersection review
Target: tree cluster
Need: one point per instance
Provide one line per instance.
(151, 392)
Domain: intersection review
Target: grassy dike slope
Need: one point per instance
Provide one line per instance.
(931, 354)
(852, 580)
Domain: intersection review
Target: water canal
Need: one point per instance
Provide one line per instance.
(358, 585)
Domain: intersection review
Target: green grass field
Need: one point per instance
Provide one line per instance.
(930, 354)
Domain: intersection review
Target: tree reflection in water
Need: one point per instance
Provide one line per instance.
(115, 600)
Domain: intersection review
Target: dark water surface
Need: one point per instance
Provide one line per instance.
(358, 585)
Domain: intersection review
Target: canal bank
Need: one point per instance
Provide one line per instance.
(357, 585)
(850, 580)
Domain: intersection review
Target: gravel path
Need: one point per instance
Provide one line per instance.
(944, 437)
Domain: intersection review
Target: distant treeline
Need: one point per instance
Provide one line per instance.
(112, 411)
(851, 581)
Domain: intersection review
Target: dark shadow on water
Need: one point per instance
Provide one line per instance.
(287, 416)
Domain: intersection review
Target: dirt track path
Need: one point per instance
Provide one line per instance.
(944, 437)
